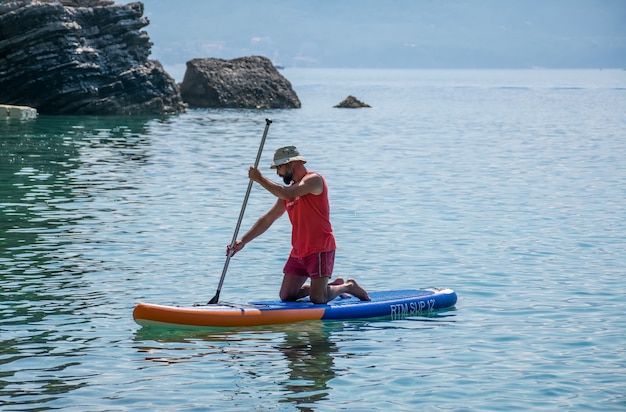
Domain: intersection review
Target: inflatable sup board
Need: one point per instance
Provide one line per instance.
(396, 304)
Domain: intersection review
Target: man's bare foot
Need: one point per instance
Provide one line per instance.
(356, 290)
(339, 282)
(336, 282)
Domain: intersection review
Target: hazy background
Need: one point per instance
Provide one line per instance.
(393, 33)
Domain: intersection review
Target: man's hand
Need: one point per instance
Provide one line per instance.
(255, 174)
(232, 250)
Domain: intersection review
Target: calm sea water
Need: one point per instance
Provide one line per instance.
(507, 186)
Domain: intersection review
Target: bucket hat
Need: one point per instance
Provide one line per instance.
(285, 155)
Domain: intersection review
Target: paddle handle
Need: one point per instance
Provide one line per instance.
(216, 298)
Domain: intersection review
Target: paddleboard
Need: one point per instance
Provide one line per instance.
(396, 304)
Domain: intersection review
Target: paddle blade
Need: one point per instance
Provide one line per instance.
(215, 299)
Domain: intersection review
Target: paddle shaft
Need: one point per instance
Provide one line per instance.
(216, 298)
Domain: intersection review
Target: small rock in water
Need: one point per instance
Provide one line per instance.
(352, 102)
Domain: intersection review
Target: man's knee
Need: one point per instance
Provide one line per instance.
(318, 298)
(286, 297)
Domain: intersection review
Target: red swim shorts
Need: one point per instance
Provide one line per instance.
(316, 265)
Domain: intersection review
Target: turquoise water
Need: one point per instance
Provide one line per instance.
(507, 186)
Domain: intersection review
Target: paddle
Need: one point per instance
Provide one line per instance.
(216, 298)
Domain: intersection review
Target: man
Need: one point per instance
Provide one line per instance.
(305, 198)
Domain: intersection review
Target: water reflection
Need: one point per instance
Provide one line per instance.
(303, 369)
(309, 353)
(292, 364)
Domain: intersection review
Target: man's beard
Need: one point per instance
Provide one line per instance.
(288, 178)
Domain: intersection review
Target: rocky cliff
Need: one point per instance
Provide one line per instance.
(247, 82)
(81, 57)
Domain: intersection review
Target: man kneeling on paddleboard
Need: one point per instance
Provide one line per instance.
(305, 198)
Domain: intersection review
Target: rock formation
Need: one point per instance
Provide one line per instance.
(246, 82)
(81, 57)
(351, 102)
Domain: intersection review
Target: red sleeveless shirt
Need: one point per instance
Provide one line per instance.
(310, 221)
